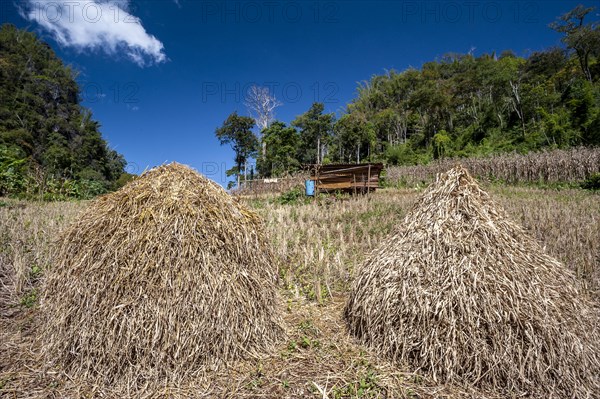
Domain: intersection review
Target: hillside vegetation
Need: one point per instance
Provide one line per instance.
(466, 105)
(460, 105)
(50, 145)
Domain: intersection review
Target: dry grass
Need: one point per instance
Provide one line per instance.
(566, 223)
(319, 360)
(320, 245)
(26, 232)
(329, 238)
(158, 280)
(463, 294)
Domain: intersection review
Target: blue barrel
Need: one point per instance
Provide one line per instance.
(310, 187)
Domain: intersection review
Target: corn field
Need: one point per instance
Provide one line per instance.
(556, 166)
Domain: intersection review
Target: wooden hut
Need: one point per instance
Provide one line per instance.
(351, 178)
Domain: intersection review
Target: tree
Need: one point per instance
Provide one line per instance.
(41, 116)
(237, 132)
(315, 133)
(391, 128)
(542, 65)
(441, 140)
(465, 105)
(461, 105)
(356, 136)
(584, 39)
(281, 144)
(261, 104)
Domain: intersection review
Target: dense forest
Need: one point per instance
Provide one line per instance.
(50, 146)
(458, 106)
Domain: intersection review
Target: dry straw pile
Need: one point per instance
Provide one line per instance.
(163, 279)
(463, 295)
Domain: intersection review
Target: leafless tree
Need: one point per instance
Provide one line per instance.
(261, 104)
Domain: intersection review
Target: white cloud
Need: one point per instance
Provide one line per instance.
(103, 25)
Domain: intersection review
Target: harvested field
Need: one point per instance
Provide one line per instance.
(319, 246)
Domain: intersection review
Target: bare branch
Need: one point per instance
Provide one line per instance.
(261, 104)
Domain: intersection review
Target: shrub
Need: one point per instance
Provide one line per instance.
(592, 182)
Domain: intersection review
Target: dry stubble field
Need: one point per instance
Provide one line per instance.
(319, 245)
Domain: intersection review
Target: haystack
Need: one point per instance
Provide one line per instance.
(463, 295)
(167, 277)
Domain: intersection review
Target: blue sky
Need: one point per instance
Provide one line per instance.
(161, 75)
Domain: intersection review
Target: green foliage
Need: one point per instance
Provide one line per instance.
(316, 129)
(292, 197)
(36, 272)
(441, 142)
(464, 105)
(237, 132)
(12, 170)
(30, 299)
(281, 143)
(48, 141)
(458, 106)
(592, 182)
(123, 180)
(307, 339)
(582, 38)
(356, 137)
(300, 344)
(365, 387)
(407, 154)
